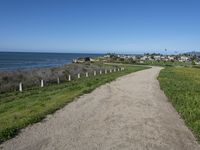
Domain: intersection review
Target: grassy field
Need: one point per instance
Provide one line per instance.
(167, 63)
(157, 63)
(182, 86)
(19, 109)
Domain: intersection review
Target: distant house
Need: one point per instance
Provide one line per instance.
(143, 58)
(162, 58)
(134, 57)
(171, 58)
(82, 60)
(106, 56)
(150, 58)
(157, 57)
(183, 59)
(79, 60)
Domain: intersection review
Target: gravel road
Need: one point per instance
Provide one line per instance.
(130, 113)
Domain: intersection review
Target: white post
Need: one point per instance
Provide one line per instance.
(20, 87)
(58, 80)
(86, 74)
(114, 69)
(95, 73)
(42, 83)
(105, 71)
(79, 75)
(121, 69)
(100, 72)
(69, 77)
(110, 70)
(118, 69)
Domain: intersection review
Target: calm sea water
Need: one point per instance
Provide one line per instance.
(19, 60)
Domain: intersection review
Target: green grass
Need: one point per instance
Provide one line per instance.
(182, 86)
(167, 63)
(19, 109)
(157, 63)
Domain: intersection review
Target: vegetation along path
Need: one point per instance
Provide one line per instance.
(129, 113)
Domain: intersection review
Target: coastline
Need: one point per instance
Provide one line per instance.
(12, 61)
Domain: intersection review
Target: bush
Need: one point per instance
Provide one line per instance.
(9, 81)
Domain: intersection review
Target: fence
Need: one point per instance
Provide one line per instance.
(42, 83)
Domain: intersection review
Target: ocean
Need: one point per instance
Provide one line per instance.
(10, 61)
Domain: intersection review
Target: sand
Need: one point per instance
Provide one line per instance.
(129, 113)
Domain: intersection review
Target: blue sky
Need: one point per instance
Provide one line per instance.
(99, 26)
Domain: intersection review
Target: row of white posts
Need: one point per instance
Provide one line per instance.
(69, 77)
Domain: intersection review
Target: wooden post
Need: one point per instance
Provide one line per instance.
(20, 87)
(79, 75)
(95, 73)
(58, 80)
(100, 72)
(42, 83)
(86, 74)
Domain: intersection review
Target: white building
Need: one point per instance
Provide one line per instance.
(144, 58)
(183, 59)
(170, 57)
(157, 57)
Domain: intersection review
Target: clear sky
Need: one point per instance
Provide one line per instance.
(99, 26)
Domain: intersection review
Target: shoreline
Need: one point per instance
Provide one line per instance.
(11, 61)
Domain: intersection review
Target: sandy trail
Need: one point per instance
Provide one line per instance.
(129, 113)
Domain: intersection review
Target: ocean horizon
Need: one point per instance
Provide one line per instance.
(11, 61)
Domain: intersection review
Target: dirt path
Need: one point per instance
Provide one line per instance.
(130, 113)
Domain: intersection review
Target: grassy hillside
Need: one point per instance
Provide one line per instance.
(19, 109)
(182, 86)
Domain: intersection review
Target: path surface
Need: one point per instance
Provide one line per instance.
(130, 113)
